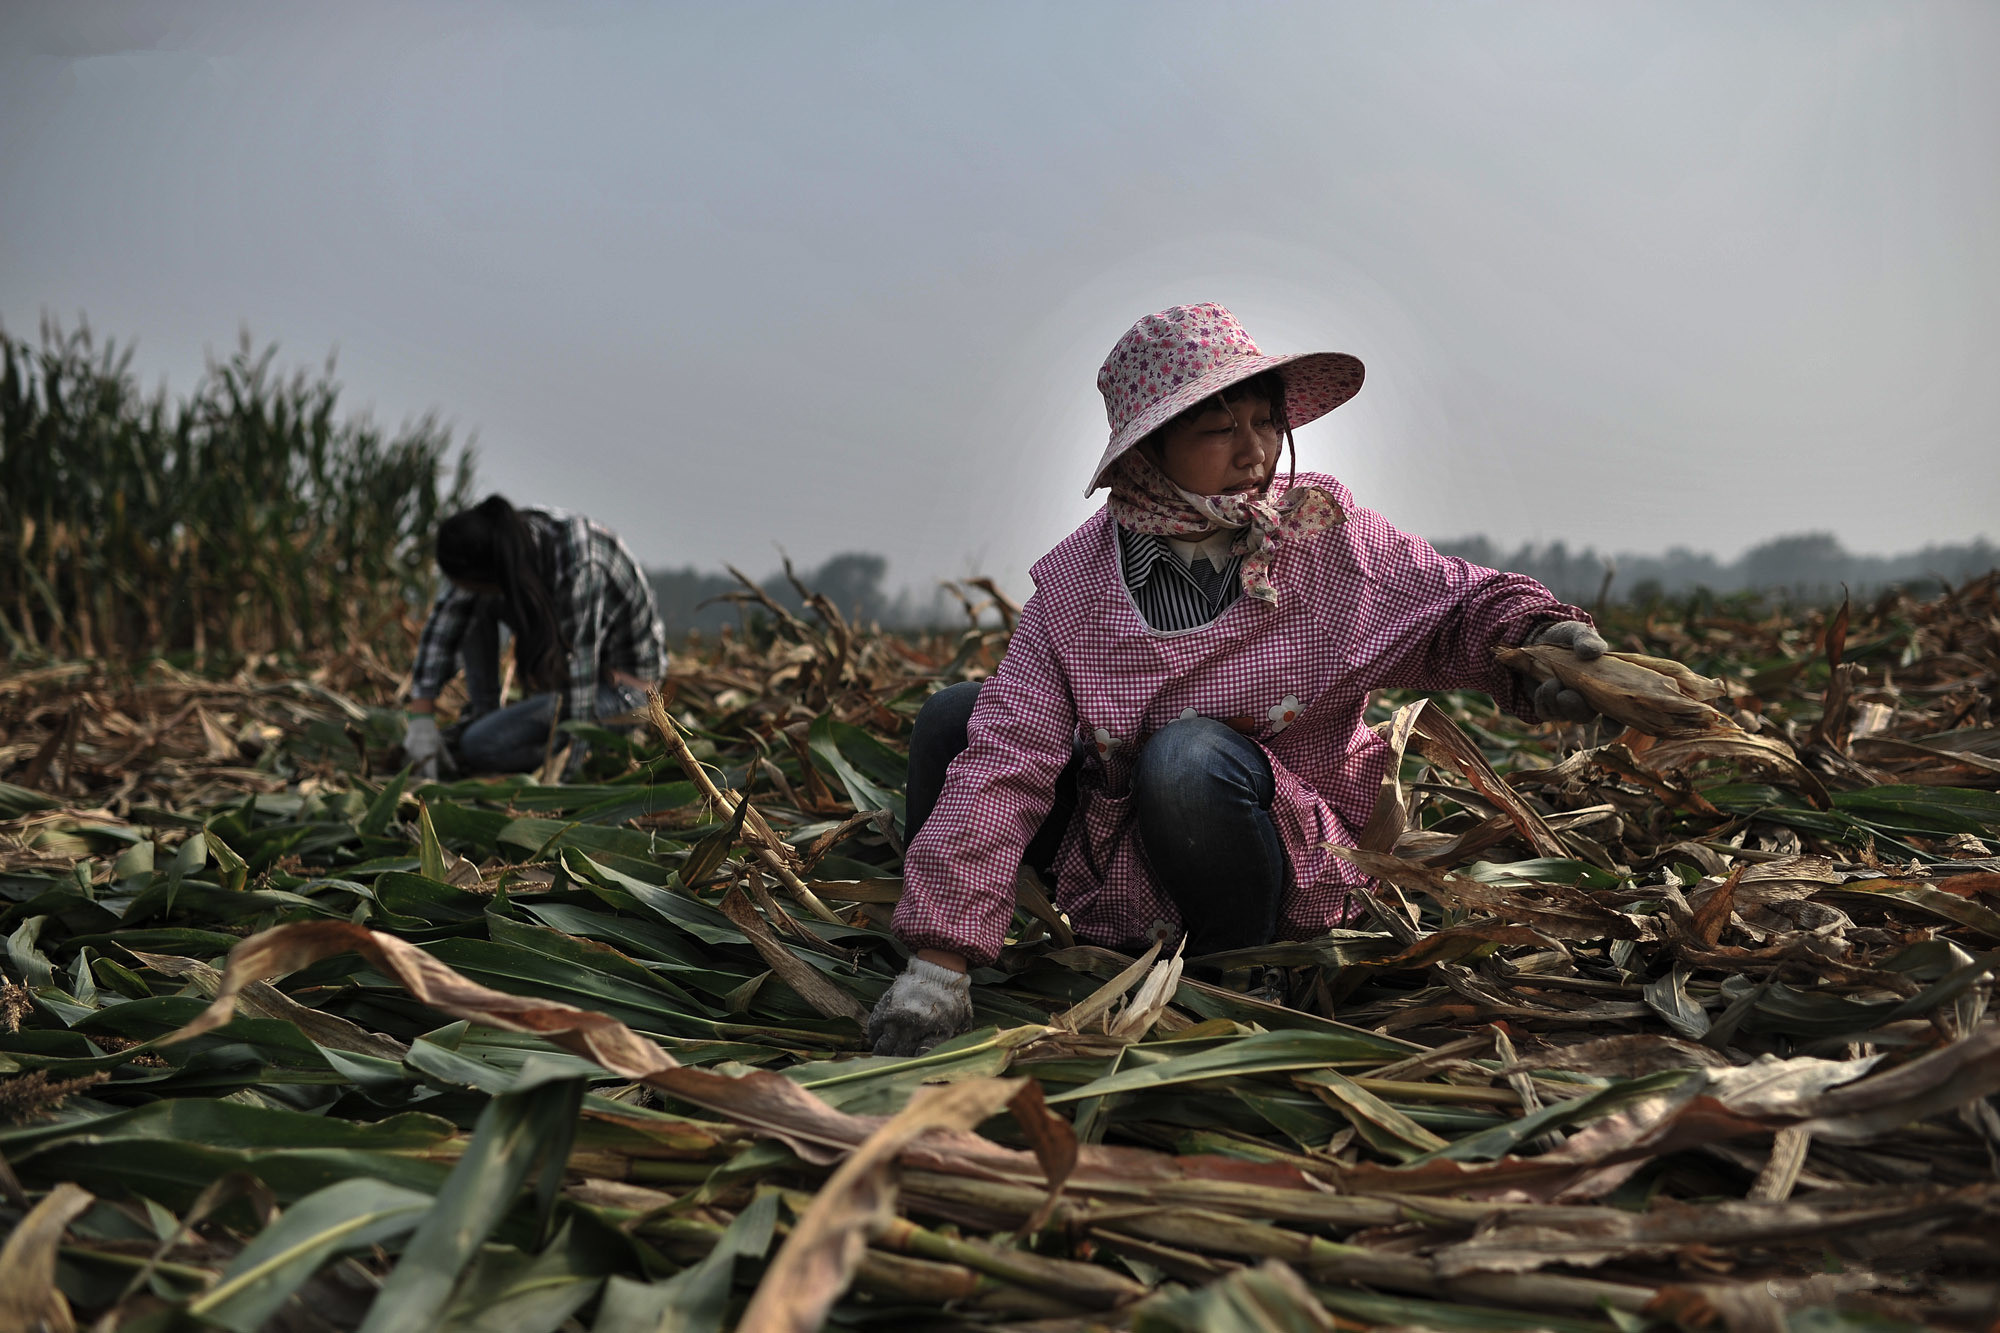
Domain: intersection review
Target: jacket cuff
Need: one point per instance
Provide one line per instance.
(937, 974)
(1512, 690)
(1518, 632)
(959, 937)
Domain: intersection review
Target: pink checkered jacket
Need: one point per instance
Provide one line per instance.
(1360, 606)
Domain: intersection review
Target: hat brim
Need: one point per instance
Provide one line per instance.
(1315, 384)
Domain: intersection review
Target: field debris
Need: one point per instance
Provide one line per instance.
(1681, 1021)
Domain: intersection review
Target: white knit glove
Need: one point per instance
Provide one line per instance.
(924, 1006)
(1553, 701)
(423, 746)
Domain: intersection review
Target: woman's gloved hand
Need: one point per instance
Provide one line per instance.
(1553, 701)
(924, 1006)
(423, 746)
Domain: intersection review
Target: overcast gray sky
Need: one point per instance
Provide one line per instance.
(839, 276)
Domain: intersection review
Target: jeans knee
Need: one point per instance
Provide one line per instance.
(477, 753)
(508, 740)
(1198, 763)
(942, 719)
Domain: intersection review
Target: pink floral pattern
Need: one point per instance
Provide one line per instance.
(1144, 500)
(1168, 362)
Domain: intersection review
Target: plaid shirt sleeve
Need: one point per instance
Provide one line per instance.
(635, 640)
(576, 582)
(437, 647)
(607, 611)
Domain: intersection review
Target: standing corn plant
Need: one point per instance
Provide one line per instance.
(249, 517)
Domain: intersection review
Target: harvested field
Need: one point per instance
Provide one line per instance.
(1681, 1029)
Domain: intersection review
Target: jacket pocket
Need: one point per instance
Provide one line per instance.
(1097, 833)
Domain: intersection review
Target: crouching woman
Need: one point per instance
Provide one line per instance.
(1176, 730)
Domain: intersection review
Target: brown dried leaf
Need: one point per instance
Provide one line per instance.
(819, 1257)
(1686, 680)
(1624, 691)
(29, 1297)
(804, 979)
(763, 1101)
(1443, 743)
(1391, 814)
(262, 1000)
(1767, 753)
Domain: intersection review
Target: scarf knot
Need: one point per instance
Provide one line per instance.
(1144, 500)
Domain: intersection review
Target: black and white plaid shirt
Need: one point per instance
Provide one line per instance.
(1170, 593)
(602, 600)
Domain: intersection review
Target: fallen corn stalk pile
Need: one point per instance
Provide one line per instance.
(1682, 1026)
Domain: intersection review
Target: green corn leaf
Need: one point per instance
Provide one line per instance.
(29, 962)
(831, 741)
(694, 1300)
(514, 1132)
(1258, 1053)
(375, 822)
(350, 1215)
(191, 857)
(1382, 1125)
(709, 854)
(507, 1291)
(1270, 1299)
(232, 871)
(430, 853)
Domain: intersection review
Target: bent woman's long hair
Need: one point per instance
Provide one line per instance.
(490, 544)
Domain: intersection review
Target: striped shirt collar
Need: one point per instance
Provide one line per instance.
(1143, 552)
(1170, 596)
(1213, 548)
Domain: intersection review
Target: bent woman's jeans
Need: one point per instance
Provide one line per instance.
(514, 739)
(1202, 798)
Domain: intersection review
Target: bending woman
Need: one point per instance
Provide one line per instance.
(587, 636)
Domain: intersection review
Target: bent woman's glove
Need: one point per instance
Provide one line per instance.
(1554, 702)
(423, 745)
(925, 1005)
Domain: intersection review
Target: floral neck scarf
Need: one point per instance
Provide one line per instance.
(1144, 500)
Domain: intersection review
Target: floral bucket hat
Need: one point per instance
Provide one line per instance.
(1166, 363)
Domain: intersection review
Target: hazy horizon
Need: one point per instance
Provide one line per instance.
(839, 278)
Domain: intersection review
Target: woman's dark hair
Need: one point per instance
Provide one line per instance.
(1266, 384)
(491, 544)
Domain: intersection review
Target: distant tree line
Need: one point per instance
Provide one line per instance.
(852, 581)
(1807, 567)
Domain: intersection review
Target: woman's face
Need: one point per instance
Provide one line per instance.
(1220, 448)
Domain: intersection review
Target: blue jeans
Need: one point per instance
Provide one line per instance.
(514, 739)
(1201, 797)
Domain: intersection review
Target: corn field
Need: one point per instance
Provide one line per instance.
(1681, 1026)
(248, 517)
